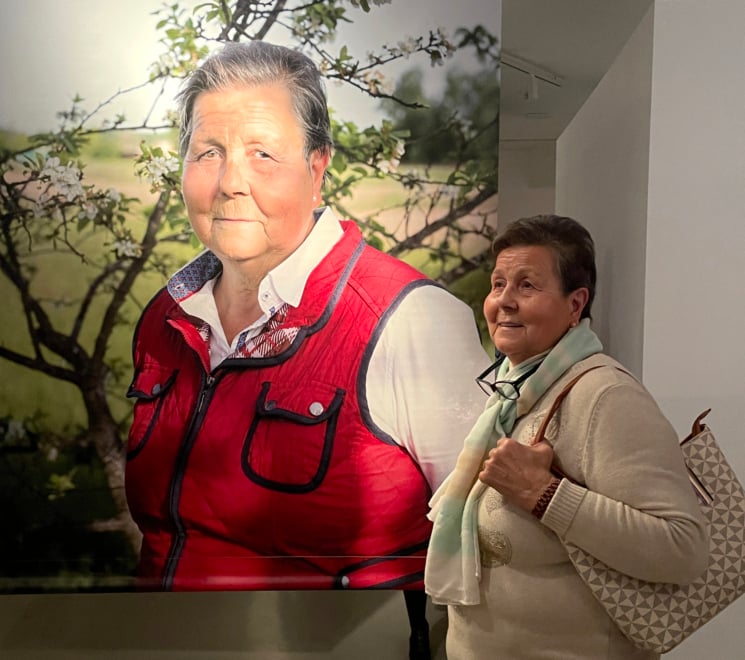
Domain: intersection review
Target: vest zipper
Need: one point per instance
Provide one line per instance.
(174, 492)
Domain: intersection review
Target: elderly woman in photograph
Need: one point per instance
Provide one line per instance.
(496, 555)
(299, 395)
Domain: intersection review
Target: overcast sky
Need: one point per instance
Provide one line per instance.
(52, 49)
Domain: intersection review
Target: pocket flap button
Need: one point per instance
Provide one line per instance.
(156, 389)
(316, 408)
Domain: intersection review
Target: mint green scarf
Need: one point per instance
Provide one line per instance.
(453, 569)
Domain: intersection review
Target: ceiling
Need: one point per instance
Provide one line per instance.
(576, 40)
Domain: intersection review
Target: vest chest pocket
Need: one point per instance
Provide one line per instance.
(290, 441)
(149, 389)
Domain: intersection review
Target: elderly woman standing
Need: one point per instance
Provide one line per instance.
(496, 554)
(299, 395)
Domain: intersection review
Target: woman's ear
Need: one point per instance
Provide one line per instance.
(577, 301)
(319, 161)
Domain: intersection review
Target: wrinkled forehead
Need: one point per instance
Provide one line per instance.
(247, 108)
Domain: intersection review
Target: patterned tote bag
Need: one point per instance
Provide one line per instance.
(659, 616)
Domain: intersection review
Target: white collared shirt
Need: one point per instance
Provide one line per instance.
(285, 283)
(420, 383)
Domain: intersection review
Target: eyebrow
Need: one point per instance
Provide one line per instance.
(525, 270)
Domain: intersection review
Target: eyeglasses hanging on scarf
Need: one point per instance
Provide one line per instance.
(507, 389)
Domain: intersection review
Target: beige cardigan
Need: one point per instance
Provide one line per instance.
(637, 514)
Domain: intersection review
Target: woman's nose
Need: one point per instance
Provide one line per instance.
(497, 301)
(234, 177)
(506, 297)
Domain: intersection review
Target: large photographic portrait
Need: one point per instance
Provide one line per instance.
(312, 476)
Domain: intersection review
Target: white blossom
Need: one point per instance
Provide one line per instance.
(444, 48)
(468, 129)
(167, 62)
(114, 195)
(126, 248)
(408, 47)
(88, 210)
(64, 180)
(377, 82)
(171, 116)
(158, 167)
(391, 164)
(15, 430)
(400, 149)
(443, 36)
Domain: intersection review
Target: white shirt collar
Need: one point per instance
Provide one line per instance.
(286, 282)
(283, 284)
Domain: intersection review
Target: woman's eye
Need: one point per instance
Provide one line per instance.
(263, 155)
(210, 154)
(497, 285)
(527, 286)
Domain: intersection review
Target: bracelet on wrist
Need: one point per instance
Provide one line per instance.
(545, 499)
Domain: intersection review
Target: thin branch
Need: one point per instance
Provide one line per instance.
(111, 99)
(39, 364)
(467, 265)
(11, 268)
(109, 270)
(376, 95)
(271, 19)
(155, 101)
(415, 240)
(131, 273)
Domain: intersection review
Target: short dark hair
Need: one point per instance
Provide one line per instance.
(570, 243)
(260, 63)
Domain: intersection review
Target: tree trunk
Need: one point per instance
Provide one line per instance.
(105, 435)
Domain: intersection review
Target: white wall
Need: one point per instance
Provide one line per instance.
(695, 307)
(527, 169)
(601, 180)
(658, 173)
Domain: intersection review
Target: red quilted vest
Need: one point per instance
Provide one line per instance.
(269, 473)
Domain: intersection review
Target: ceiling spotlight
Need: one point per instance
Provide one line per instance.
(531, 68)
(532, 92)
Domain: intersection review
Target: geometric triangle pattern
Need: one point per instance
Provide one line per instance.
(659, 616)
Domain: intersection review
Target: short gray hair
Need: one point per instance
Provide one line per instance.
(260, 63)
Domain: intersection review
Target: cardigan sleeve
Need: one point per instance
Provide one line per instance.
(637, 512)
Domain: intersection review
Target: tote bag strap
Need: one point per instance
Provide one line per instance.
(541, 433)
